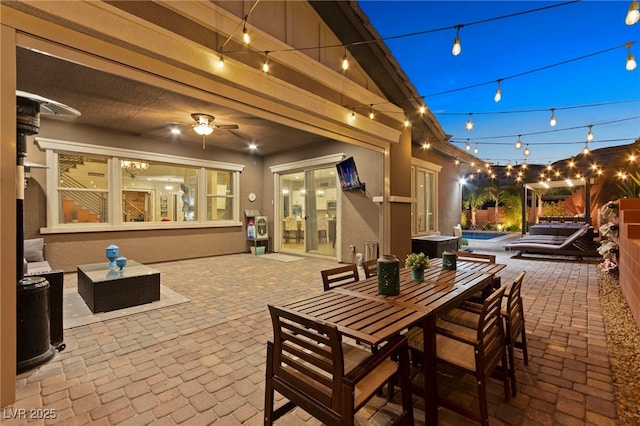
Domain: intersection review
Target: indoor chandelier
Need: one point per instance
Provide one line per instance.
(134, 167)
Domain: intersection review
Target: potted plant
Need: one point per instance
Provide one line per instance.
(417, 262)
(74, 215)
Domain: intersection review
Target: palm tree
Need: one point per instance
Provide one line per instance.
(472, 200)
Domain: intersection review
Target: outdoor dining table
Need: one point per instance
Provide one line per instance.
(440, 291)
(368, 320)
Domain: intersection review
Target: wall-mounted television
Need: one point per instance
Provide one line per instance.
(348, 175)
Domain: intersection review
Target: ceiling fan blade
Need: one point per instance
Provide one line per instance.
(226, 126)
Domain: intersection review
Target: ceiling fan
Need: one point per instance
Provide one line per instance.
(204, 125)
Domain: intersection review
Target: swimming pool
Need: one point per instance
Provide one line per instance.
(482, 235)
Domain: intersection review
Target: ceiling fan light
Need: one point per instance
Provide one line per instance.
(203, 125)
(203, 129)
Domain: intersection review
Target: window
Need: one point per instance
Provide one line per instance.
(102, 188)
(83, 189)
(220, 195)
(424, 189)
(157, 192)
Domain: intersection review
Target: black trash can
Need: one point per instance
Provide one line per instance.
(33, 334)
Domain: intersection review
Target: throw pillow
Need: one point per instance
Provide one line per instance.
(34, 250)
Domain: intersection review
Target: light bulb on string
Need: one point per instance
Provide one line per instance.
(469, 124)
(345, 61)
(518, 144)
(245, 35)
(265, 65)
(631, 61)
(498, 95)
(407, 123)
(423, 109)
(220, 62)
(527, 151)
(585, 150)
(590, 134)
(352, 115)
(468, 146)
(633, 14)
(476, 149)
(457, 47)
(371, 114)
(553, 120)
(426, 145)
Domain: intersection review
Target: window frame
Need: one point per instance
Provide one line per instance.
(114, 157)
(417, 166)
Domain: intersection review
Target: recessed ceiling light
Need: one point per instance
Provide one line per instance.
(253, 146)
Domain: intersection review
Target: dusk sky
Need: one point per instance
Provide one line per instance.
(506, 48)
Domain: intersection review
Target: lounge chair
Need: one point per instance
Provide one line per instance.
(579, 244)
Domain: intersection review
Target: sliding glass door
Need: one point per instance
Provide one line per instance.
(308, 211)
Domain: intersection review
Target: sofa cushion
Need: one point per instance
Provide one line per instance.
(34, 250)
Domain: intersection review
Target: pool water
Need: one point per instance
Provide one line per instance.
(482, 235)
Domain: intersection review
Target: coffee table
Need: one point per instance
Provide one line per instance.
(106, 289)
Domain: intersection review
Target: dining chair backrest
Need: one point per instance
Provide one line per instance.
(491, 338)
(310, 365)
(341, 275)
(475, 257)
(307, 356)
(513, 310)
(370, 268)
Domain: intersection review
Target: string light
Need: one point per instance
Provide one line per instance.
(633, 14)
(590, 134)
(469, 124)
(553, 120)
(585, 151)
(457, 47)
(631, 61)
(468, 146)
(245, 34)
(498, 95)
(265, 65)
(476, 149)
(345, 61)
(426, 145)
(526, 151)
(220, 62)
(371, 114)
(407, 123)
(423, 109)
(352, 116)
(518, 144)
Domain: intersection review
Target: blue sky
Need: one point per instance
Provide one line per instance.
(503, 48)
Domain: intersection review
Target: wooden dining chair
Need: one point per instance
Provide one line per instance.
(512, 313)
(310, 365)
(370, 268)
(477, 351)
(339, 276)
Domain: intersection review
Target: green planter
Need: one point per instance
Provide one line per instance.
(417, 275)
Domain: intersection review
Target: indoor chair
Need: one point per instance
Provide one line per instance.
(310, 366)
(341, 275)
(477, 351)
